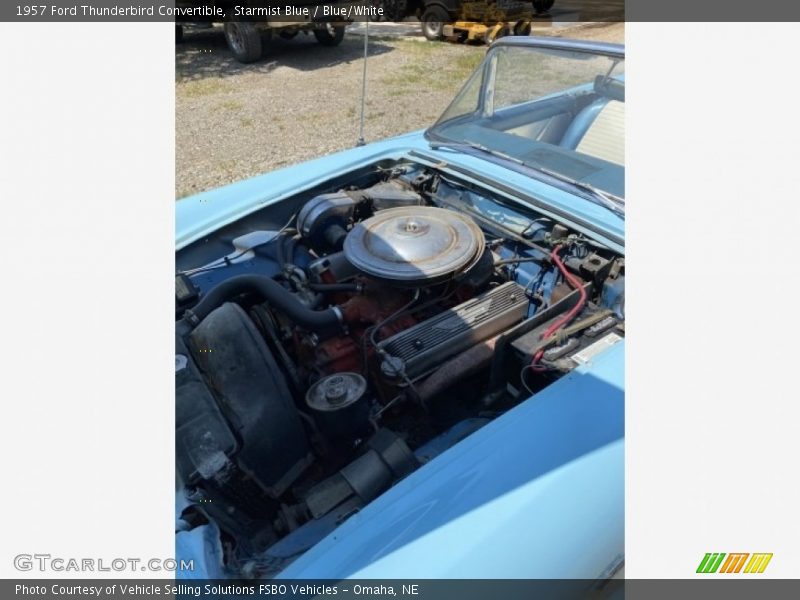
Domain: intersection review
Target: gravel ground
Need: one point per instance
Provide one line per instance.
(234, 121)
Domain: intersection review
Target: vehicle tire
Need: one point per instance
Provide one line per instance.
(433, 20)
(522, 28)
(493, 35)
(244, 41)
(331, 35)
(178, 33)
(542, 6)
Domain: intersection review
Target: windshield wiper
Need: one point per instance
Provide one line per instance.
(613, 203)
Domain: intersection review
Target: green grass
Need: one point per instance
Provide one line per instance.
(467, 63)
(433, 66)
(202, 87)
(232, 105)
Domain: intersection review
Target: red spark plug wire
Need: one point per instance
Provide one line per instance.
(574, 282)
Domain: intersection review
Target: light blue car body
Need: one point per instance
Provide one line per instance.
(537, 492)
(200, 215)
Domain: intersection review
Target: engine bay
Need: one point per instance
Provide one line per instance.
(331, 344)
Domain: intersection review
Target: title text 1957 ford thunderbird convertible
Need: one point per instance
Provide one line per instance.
(405, 360)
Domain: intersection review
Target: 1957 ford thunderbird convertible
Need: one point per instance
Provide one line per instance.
(406, 360)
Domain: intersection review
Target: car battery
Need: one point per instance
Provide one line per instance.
(591, 332)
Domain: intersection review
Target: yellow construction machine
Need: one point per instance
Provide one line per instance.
(470, 21)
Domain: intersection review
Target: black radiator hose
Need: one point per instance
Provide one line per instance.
(278, 297)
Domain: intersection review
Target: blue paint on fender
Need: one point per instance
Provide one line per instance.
(537, 493)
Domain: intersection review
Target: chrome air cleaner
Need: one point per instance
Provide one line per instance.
(414, 245)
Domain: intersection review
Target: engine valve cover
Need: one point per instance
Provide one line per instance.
(414, 244)
(427, 344)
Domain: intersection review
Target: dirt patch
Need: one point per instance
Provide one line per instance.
(302, 101)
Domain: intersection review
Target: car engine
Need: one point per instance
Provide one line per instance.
(329, 346)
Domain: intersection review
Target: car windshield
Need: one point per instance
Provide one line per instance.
(558, 113)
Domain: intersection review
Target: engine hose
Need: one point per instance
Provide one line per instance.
(574, 282)
(278, 297)
(514, 261)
